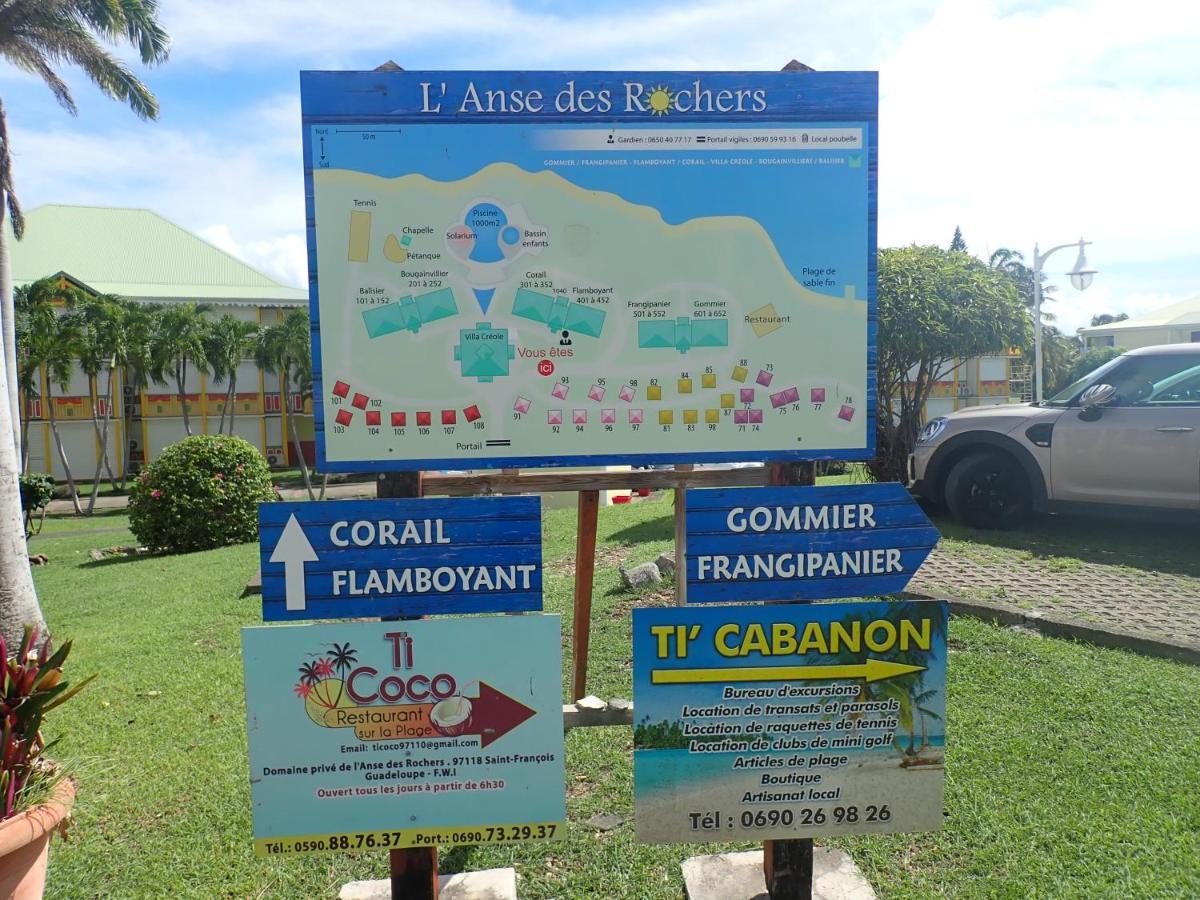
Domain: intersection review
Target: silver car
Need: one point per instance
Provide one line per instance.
(1128, 433)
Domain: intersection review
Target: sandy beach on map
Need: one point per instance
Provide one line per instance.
(913, 796)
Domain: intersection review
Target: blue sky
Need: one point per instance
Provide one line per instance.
(1018, 121)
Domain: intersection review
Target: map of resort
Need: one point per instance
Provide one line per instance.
(513, 314)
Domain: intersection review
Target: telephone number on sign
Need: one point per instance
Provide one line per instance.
(410, 837)
(838, 815)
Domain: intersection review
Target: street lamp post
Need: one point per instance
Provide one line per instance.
(1081, 279)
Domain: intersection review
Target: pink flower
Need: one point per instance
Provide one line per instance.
(156, 493)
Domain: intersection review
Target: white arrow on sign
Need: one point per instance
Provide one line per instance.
(293, 550)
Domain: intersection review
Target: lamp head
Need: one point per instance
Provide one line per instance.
(1081, 275)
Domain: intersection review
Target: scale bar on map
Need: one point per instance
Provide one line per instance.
(699, 139)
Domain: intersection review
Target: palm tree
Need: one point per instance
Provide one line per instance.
(50, 340)
(141, 326)
(284, 350)
(34, 35)
(1012, 262)
(181, 340)
(229, 342)
(102, 350)
(33, 303)
(58, 351)
(19, 606)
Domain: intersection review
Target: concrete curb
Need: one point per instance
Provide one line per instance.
(1064, 627)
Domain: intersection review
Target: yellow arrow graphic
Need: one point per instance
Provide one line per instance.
(871, 670)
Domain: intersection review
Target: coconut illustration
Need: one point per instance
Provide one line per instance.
(451, 716)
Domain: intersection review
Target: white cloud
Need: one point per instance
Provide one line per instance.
(238, 184)
(1019, 123)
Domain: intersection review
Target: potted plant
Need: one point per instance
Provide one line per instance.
(35, 794)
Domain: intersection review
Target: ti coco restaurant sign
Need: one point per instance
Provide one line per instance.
(359, 558)
(803, 543)
(789, 721)
(403, 734)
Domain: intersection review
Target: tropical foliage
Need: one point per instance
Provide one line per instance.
(285, 350)
(200, 493)
(936, 307)
(31, 684)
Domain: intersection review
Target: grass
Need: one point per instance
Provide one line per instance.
(1071, 770)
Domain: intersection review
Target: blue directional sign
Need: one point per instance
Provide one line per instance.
(354, 558)
(803, 543)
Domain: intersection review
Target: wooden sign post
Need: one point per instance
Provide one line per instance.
(413, 871)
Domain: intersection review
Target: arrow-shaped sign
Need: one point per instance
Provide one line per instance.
(496, 714)
(871, 670)
(293, 550)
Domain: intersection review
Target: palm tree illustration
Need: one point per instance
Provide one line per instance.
(314, 674)
(342, 656)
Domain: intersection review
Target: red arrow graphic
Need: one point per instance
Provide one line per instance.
(495, 714)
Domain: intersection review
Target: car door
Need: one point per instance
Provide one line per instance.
(1145, 449)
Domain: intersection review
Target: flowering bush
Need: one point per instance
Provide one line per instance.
(202, 492)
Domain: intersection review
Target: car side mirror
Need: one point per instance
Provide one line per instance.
(1094, 399)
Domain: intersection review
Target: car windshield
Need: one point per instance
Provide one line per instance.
(1136, 378)
(1075, 388)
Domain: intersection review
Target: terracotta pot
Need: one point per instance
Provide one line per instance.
(25, 844)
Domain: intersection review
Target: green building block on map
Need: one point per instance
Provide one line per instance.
(557, 313)
(483, 352)
(683, 333)
(409, 314)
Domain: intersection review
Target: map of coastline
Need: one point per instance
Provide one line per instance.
(441, 303)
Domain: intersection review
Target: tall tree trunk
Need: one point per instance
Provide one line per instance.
(295, 434)
(28, 401)
(102, 437)
(93, 390)
(18, 598)
(127, 449)
(224, 409)
(62, 451)
(180, 377)
(110, 402)
(9, 327)
(231, 403)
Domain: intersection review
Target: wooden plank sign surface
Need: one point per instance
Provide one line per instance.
(803, 543)
(358, 558)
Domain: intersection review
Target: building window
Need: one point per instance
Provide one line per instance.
(1102, 340)
(1196, 337)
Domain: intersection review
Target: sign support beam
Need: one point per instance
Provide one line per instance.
(788, 865)
(413, 870)
(585, 571)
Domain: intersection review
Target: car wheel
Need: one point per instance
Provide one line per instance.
(988, 490)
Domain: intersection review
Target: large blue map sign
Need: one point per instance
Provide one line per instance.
(788, 721)
(358, 558)
(803, 543)
(580, 268)
(370, 735)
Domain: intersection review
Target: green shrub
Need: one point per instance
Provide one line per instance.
(37, 490)
(202, 492)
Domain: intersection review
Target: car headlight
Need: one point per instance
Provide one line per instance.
(932, 429)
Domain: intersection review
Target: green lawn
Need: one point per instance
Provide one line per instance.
(1071, 771)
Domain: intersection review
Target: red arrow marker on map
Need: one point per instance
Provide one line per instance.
(495, 714)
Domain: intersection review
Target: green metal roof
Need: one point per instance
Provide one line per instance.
(138, 254)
